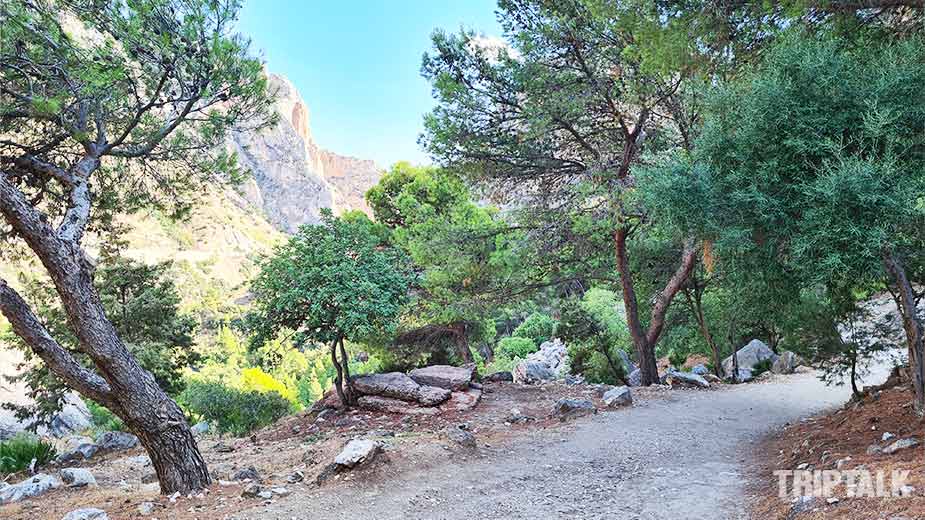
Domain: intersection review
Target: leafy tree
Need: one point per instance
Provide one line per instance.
(331, 282)
(595, 331)
(126, 107)
(557, 119)
(468, 257)
(537, 327)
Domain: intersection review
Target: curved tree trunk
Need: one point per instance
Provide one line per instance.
(912, 323)
(117, 380)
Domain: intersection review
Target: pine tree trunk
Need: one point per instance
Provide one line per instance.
(912, 324)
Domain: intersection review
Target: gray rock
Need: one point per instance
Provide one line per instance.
(248, 473)
(31, 487)
(700, 369)
(77, 477)
(573, 379)
(112, 441)
(443, 376)
(750, 355)
(600, 389)
(200, 428)
(802, 505)
(566, 409)
(462, 401)
(618, 397)
(89, 513)
(462, 437)
(280, 491)
(393, 384)
(901, 444)
(145, 508)
(251, 491)
(356, 452)
(635, 378)
(745, 375)
(389, 405)
(676, 378)
(874, 449)
(498, 377)
(786, 363)
(432, 395)
(628, 366)
(712, 378)
(82, 452)
(528, 373)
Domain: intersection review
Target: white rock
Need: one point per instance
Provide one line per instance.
(357, 452)
(89, 513)
(617, 397)
(31, 487)
(77, 477)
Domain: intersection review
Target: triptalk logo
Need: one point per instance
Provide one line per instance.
(854, 483)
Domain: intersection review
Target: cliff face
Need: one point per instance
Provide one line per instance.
(293, 178)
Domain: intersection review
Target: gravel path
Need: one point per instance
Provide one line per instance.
(681, 458)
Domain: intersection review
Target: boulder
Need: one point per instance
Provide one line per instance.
(75, 452)
(786, 363)
(700, 369)
(745, 375)
(750, 355)
(443, 376)
(548, 363)
(712, 378)
(676, 378)
(389, 405)
(566, 409)
(528, 373)
(498, 377)
(31, 487)
(635, 378)
(356, 452)
(462, 401)
(901, 444)
(618, 397)
(112, 441)
(248, 473)
(393, 384)
(88, 513)
(461, 437)
(77, 477)
(432, 395)
(628, 366)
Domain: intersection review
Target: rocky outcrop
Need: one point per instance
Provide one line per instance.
(31, 487)
(750, 355)
(443, 376)
(786, 363)
(548, 363)
(396, 385)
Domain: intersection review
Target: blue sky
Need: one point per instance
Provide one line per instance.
(357, 64)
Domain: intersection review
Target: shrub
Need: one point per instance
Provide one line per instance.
(254, 379)
(103, 420)
(761, 367)
(17, 453)
(588, 359)
(230, 410)
(677, 358)
(501, 363)
(514, 347)
(537, 327)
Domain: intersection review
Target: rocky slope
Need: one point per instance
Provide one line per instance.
(293, 178)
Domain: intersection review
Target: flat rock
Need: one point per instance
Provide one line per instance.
(499, 377)
(432, 395)
(113, 441)
(690, 379)
(461, 401)
(901, 444)
(88, 513)
(566, 409)
(392, 384)
(31, 487)
(356, 452)
(77, 477)
(618, 397)
(443, 376)
(389, 405)
(461, 437)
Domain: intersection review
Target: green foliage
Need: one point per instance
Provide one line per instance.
(537, 327)
(762, 367)
(515, 347)
(16, 454)
(502, 363)
(231, 410)
(254, 379)
(102, 419)
(328, 282)
(594, 331)
(677, 358)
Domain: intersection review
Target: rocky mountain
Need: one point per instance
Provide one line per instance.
(293, 178)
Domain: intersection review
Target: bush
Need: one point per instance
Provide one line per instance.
(677, 358)
(514, 347)
(230, 410)
(589, 360)
(17, 453)
(103, 420)
(537, 327)
(501, 363)
(761, 367)
(255, 379)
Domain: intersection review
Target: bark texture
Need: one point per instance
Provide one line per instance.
(912, 324)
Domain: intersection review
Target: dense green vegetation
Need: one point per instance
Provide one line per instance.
(17, 454)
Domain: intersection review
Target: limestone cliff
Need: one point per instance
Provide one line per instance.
(293, 178)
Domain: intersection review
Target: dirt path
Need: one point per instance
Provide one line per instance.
(684, 457)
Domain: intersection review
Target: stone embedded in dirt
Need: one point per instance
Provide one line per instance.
(296, 477)
(574, 380)
(432, 395)
(462, 401)
(499, 377)
(89, 513)
(358, 451)
(462, 437)
(252, 490)
(517, 417)
(887, 436)
(112, 441)
(200, 428)
(145, 508)
(389, 405)
(77, 477)
(874, 449)
(248, 473)
(618, 397)
(550, 362)
(280, 491)
(802, 505)
(841, 463)
(787, 363)
(443, 376)
(392, 384)
(901, 444)
(31, 487)
(81, 452)
(566, 409)
(750, 355)
(676, 378)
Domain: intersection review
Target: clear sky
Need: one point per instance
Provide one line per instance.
(357, 64)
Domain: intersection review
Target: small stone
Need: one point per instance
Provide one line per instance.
(280, 491)
(618, 397)
(146, 508)
(841, 463)
(89, 513)
(248, 473)
(251, 491)
(357, 451)
(831, 501)
(874, 449)
(886, 437)
(566, 409)
(901, 444)
(77, 477)
(461, 437)
(297, 476)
